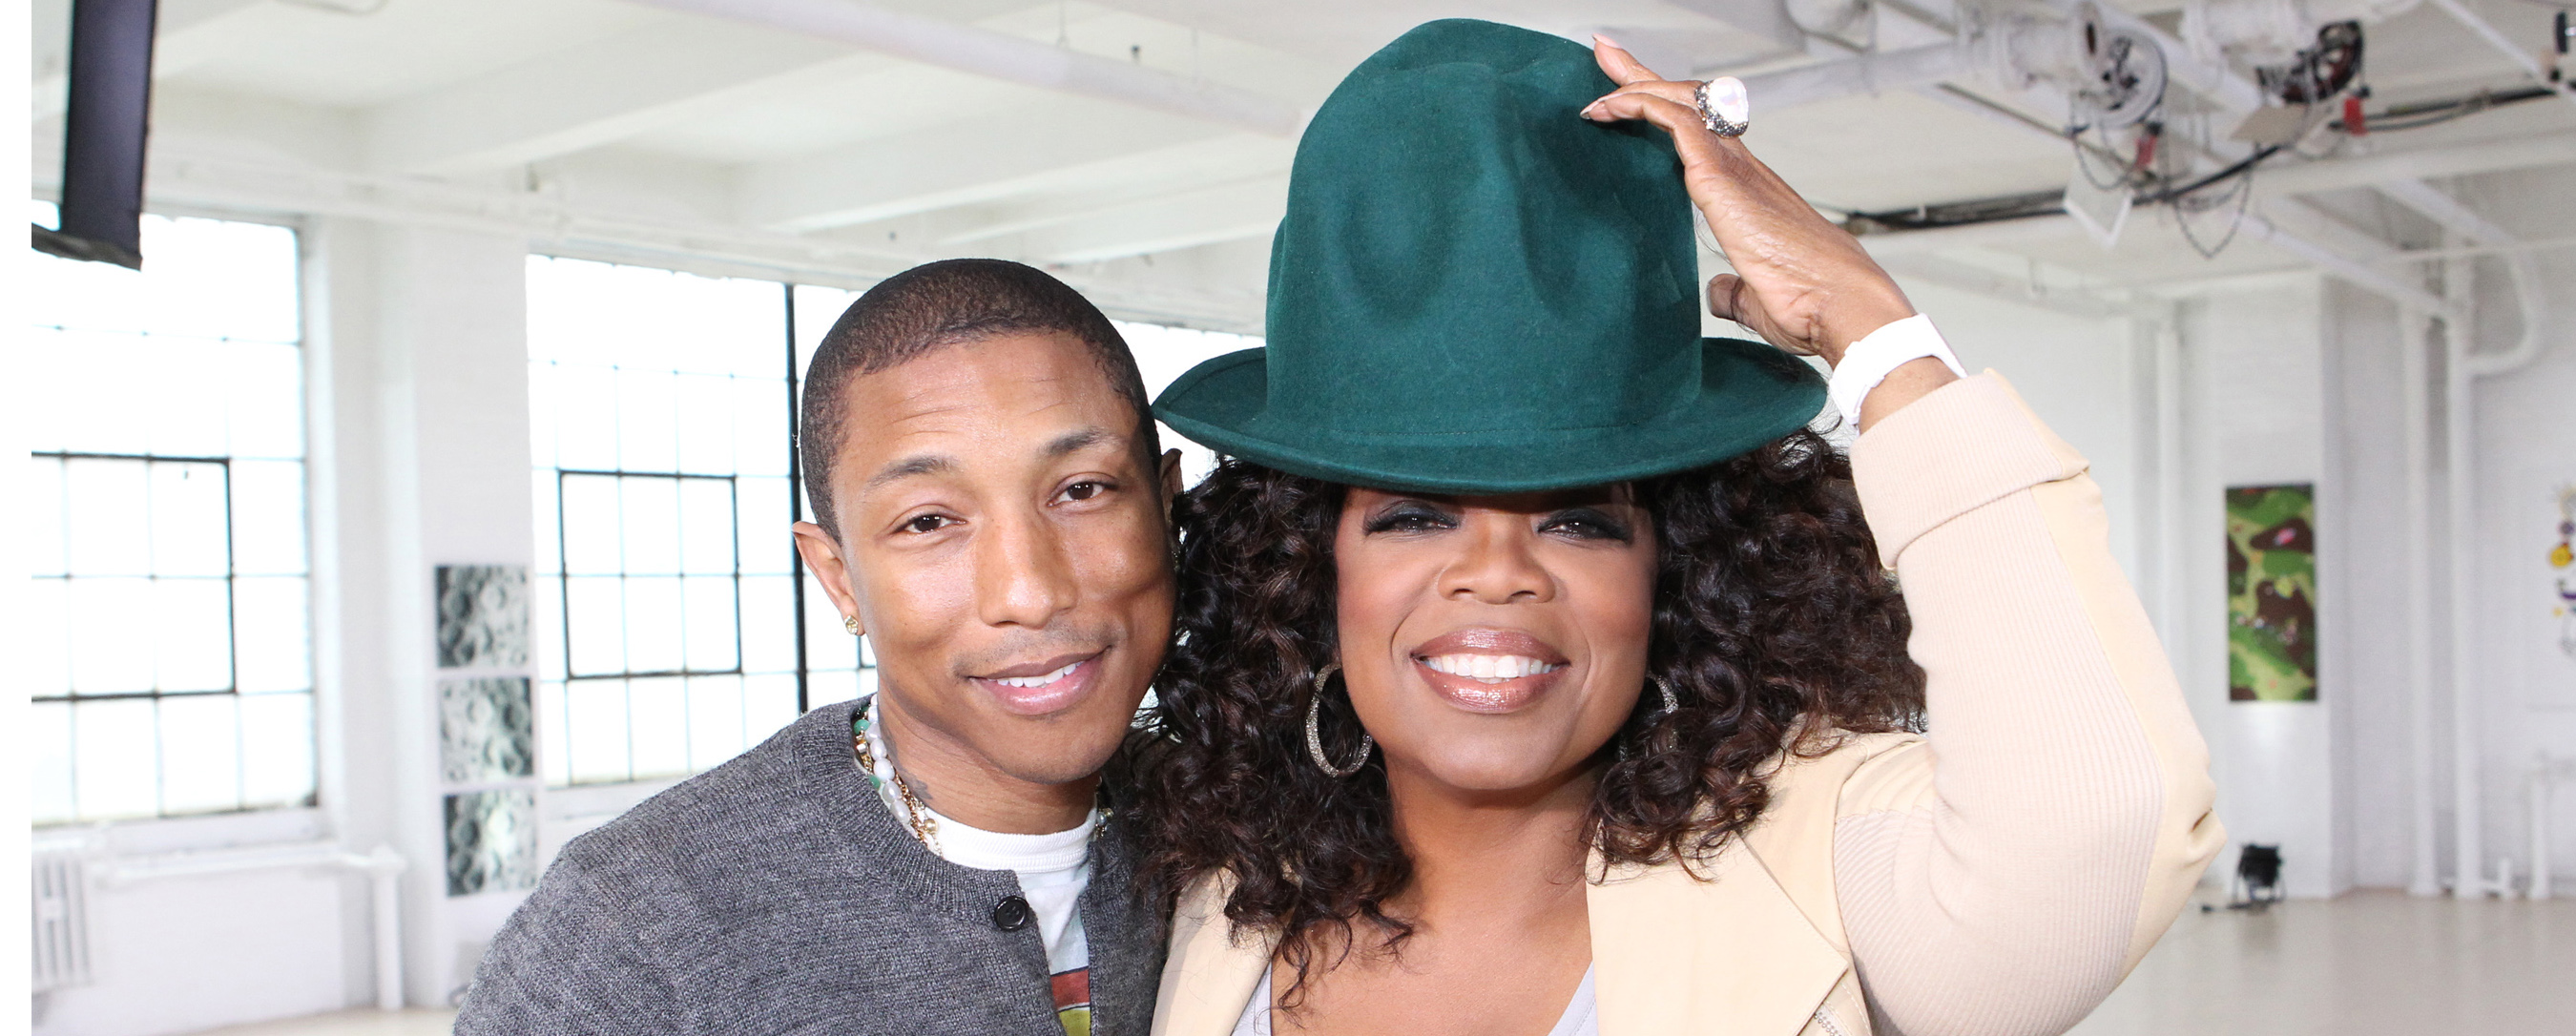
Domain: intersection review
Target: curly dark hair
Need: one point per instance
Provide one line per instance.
(1774, 625)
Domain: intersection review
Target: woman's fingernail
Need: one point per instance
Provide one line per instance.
(1599, 40)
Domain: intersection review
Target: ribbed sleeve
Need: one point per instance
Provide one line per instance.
(2001, 877)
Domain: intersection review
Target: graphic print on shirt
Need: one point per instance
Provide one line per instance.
(1073, 1000)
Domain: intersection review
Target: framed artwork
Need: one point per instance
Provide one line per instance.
(2272, 593)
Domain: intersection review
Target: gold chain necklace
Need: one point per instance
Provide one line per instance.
(925, 828)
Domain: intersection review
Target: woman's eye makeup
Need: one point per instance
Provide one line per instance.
(1586, 523)
(1409, 516)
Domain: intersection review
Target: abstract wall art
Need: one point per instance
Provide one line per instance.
(2272, 593)
(491, 842)
(486, 730)
(482, 616)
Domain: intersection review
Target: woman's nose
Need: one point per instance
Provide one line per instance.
(1498, 565)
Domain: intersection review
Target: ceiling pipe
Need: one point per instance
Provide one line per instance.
(2346, 267)
(1867, 73)
(2494, 37)
(983, 52)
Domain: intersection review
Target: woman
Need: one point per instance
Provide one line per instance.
(1537, 671)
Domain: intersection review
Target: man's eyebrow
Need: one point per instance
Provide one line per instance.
(927, 464)
(1076, 440)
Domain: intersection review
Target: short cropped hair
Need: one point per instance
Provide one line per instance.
(934, 305)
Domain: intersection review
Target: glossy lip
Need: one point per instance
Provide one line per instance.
(1048, 698)
(1476, 695)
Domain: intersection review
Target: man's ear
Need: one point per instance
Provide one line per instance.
(822, 557)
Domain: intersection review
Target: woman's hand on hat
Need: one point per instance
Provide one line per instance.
(1800, 282)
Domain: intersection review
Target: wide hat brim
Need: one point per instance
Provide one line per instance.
(1749, 394)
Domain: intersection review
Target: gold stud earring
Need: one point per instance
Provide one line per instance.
(850, 623)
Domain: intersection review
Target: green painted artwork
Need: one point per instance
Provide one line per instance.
(2272, 593)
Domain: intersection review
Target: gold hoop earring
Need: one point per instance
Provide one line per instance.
(1315, 731)
(850, 623)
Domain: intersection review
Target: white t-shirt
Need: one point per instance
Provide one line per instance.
(1053, 870)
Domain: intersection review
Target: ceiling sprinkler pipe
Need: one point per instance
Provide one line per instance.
(1864, 73)
(2496, 38)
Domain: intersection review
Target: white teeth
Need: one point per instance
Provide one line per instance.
(1489, 668)
(1036, 681)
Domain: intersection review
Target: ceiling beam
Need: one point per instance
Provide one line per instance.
(1230, 213)
(984, 52)
(591, 95)
(188, 33)
(978, 161)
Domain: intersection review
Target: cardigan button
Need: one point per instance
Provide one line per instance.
(1012, 914)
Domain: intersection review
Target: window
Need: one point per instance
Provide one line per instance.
(672, 630)
(170, 587)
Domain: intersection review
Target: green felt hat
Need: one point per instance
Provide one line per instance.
(1477, 291)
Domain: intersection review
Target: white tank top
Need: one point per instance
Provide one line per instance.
(1581, 1017)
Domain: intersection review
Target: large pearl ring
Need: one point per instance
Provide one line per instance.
(1724, 107)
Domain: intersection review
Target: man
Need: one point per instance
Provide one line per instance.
(992, 510)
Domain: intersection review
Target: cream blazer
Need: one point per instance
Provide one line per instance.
(1995, 876)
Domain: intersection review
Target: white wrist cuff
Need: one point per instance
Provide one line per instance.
(1879, 352)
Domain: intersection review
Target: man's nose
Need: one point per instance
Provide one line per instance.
(1023, 575)
(1498, 565)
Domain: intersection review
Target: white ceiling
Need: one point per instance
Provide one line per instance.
(636, 121)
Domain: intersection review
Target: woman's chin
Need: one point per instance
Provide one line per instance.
(1495, 771)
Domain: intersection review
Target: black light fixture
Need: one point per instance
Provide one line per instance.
(103, 129)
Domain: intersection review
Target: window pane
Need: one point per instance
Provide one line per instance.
(49, 742)
(709, 623)
(188, 520)
(760, 429)
(115, 756)
(706, 526)
(191, 630)
(653, 628)
(705, 424)
(554, 754)
(585, 400)
(542, 496)
(200, 754)
(768, 704)
(177, 390)
(646, 439)
(648, 511)
(263, 384)
(545, 604)
(112, 626)
(590, 535)
(595, 641)
(767, 536)
(42, 511)
(595, 717)
(658, 717)
(769, 624)
(268, 517)
(49, 670)
(274, 648)
(109, 515)
(277, 749)
(715, 720)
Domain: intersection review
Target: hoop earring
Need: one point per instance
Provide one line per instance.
(1315, 732)
(1670, 703)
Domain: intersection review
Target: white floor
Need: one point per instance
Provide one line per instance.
(2368, 964)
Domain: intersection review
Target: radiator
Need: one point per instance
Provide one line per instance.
(58, 883)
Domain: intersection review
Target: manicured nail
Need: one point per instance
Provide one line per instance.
(1600, 40)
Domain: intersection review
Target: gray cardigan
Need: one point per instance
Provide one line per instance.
(776, 894)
